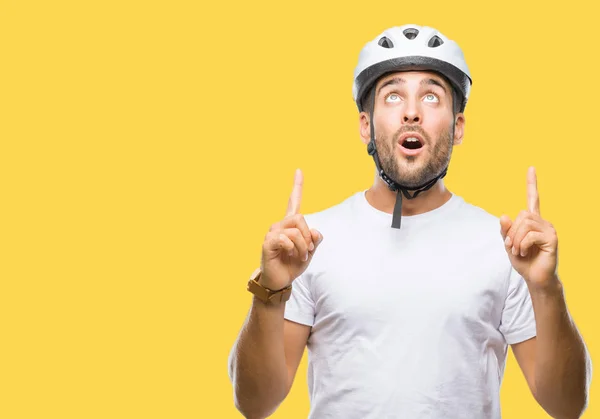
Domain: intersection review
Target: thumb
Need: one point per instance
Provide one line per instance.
(317, 238)
(505, 224)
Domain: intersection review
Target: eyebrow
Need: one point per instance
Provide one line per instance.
(433, 82)
(400, 80)
(395, 80)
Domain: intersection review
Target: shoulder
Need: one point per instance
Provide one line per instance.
(335, 216)
(477, 217)
(474, 225)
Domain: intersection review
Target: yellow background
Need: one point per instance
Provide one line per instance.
(146, 146)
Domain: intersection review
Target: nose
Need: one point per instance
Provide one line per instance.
(412, 113)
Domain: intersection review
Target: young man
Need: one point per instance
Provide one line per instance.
(408, 306)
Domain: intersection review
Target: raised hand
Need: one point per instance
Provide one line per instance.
(289, 245)
(531, 241)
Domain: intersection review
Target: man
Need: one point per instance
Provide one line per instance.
(408, 306)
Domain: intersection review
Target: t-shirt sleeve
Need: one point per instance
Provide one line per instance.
(518, 321)
(300, 308)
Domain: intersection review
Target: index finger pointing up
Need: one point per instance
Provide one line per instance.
(296, 196)
(533, 198)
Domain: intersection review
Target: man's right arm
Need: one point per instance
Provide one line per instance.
(265, 358)
(268, 350)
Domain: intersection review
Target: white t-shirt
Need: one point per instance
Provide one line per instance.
(411, 323)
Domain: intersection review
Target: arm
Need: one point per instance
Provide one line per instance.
(556, 363)
(265, 358)
(266, 355)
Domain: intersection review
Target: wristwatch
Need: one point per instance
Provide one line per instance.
(265, 294)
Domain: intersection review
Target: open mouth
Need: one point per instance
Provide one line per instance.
(411, 143)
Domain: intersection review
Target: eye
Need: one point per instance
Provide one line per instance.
(393, 97)
(430, 97)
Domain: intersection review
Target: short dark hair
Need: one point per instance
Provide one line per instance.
(457, 97)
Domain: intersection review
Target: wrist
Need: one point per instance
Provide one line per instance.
(265, 294)
(266, 282)
(550, 288)
(274, 304)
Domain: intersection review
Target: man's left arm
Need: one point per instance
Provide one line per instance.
(556, 362)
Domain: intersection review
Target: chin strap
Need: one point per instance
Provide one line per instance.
(403, 191)
(393, 185)
(397, 211)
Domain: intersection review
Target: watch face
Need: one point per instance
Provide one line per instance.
(257, 290)
(266, 295)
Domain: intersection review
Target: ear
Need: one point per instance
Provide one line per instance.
(365, 127)
(459, 128)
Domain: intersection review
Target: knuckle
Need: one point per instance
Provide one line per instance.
(267, 241)
(299, 236)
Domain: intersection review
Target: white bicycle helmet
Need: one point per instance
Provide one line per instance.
(405, 48)
(411, 47)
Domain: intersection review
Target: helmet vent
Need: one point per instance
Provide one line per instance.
(386, 43)
(435, 41)
(411, 33)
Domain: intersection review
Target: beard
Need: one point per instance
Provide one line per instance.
(412, 171)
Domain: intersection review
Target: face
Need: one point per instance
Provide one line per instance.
(415, 128)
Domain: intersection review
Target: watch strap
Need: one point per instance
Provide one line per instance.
(267, 295)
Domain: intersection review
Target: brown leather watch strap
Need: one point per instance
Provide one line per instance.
(267, 295)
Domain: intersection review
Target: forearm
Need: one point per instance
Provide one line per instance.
(562, 370)
(257, 362)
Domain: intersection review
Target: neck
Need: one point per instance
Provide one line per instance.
(381, 198)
